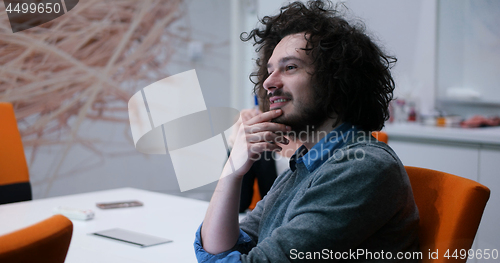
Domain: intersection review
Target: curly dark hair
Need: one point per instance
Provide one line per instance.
(351, 78)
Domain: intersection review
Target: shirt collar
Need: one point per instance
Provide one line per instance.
(323, 149)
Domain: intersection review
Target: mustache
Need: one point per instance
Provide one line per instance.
(279, 92)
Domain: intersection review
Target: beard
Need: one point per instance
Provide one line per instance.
(306, 117)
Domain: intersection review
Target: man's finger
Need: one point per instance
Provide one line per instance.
(266, 116)
(267, 137)
(268, 126)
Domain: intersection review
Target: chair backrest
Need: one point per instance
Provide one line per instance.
(14, 176)
(450, 209)
(381, 136)
(256, 195)
(46, 241)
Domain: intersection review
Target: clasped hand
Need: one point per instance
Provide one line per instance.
(256, 134)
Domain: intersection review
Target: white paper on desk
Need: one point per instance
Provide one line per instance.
(134, 238)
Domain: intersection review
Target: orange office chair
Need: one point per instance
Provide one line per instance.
(47, 241)
(381, 136)
(14, 177)
(256, 195)
(450, 210)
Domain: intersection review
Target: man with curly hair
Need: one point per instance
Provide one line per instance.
(346, 195)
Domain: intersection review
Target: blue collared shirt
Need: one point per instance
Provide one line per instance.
(325, 148)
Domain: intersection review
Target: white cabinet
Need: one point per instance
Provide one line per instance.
(489, 174)
(461, 160)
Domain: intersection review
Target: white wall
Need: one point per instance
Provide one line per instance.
(469, 49)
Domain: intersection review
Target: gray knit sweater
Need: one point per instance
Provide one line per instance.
(357, 205)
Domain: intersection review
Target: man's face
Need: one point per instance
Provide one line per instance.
(289, 84)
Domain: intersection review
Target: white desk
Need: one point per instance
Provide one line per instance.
(162, 215)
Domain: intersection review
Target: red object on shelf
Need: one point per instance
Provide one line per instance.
(480, 121)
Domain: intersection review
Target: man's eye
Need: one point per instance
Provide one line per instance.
(290, 67)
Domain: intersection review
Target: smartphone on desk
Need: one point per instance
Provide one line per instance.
(119, 204)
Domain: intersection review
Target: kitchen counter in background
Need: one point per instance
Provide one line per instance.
(488, 136)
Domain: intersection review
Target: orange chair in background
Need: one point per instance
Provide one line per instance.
(450, 210)
(14, 177)
(381, 136)
(256, 195)
(47, 241)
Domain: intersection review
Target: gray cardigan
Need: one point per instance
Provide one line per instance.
(357, 205)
